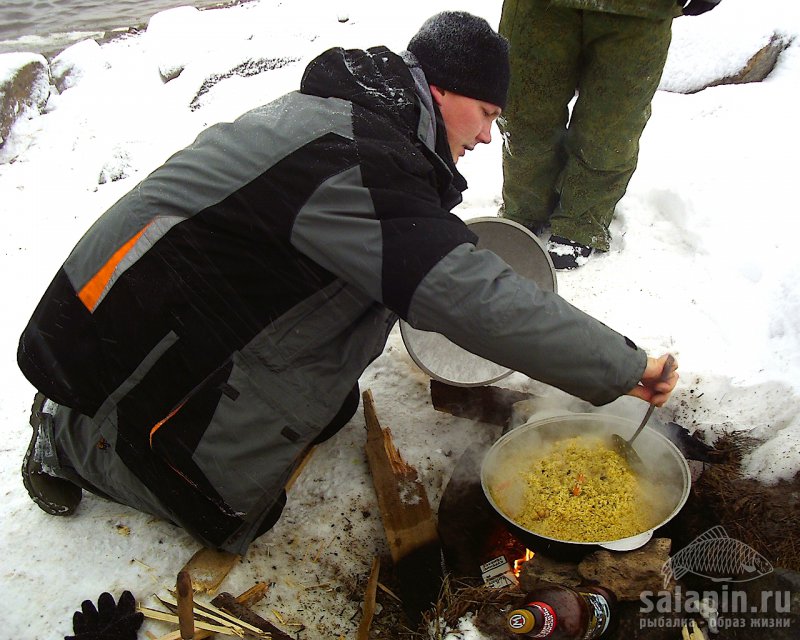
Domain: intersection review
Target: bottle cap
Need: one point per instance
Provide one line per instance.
(521, 621)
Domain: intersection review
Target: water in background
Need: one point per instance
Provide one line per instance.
(48, 26)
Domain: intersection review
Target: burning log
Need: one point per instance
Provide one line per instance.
(408, 521)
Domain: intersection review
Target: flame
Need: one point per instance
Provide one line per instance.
(520, 561)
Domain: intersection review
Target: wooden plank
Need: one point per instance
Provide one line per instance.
(408, 520)
(485, 404)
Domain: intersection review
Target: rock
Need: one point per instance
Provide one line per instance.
(629, 573)
(24, 88)
(175, 37)
(75, 62)
(698, 59)
(544, 569)
(760, 65)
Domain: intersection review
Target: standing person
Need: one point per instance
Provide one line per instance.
(571, 172)
(214, 322)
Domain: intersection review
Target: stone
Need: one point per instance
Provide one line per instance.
(760, 65)
(628, 573)
(24, 88)
(542, 568)
(175, 37)
(75, 62)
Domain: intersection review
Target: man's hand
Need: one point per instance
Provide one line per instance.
(656, 384)
(109, 621)
(696, 7)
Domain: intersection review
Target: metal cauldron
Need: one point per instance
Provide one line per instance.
(503, 486)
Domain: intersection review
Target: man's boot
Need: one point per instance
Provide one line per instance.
(54, 495)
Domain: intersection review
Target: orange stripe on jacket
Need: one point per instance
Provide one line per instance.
(161, 423)
(92, 291)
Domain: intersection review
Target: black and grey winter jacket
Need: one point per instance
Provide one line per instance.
(214, 319)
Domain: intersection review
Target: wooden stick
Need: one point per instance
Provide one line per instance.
(227, 602)
(154, 614)
(202, 634)
(299, 468)
(185, 605)
(212, 615)
(369, 600)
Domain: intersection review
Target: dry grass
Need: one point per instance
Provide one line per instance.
(764, 517)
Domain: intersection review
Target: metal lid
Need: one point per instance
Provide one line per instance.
(444, 360)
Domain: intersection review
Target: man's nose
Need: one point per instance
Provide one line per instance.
(485, 134)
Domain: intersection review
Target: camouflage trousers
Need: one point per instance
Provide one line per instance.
(572, 171)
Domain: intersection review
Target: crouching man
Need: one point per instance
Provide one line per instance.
(214, 322)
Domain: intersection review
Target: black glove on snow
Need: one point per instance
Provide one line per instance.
(109, 621)
(696, 7)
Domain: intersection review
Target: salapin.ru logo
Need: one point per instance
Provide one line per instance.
(718, 557)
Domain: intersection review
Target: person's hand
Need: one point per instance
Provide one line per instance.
(696, 7)
(656, 385)
(109, 621)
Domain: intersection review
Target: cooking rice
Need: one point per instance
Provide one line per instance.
(583, 491)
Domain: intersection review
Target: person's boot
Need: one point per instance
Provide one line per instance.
(567, 254)
(56, 496)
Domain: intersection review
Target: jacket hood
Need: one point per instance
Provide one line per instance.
(376, 79)
(380, 80)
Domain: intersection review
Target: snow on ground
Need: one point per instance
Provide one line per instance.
(703, 264)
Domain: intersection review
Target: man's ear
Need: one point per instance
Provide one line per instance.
(438, 94)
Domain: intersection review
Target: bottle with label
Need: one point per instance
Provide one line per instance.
(562, 613)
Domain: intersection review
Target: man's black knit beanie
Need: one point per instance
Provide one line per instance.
(461, 53)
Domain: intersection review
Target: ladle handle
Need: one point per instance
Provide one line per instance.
(669, 365)
(666, 372)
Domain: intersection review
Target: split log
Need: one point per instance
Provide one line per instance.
(407, 517)
(489, 404)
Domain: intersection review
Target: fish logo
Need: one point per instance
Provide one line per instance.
(717, 556)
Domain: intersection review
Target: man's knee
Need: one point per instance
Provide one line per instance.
(342, 417)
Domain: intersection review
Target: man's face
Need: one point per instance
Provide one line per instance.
(468, 121)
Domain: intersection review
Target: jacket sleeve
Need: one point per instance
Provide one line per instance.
(475, 299)
(385, 241)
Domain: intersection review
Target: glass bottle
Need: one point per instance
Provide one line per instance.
(558, 612)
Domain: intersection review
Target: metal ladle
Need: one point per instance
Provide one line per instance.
(625, 447)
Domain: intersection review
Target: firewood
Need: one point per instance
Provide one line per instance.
(208, 613)
(253, 594)
(229, 604)
(153, 614)
(408, 520)
(176, 635)
(185, 605)
(485, 404)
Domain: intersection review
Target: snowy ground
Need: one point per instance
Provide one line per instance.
(703, 264)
